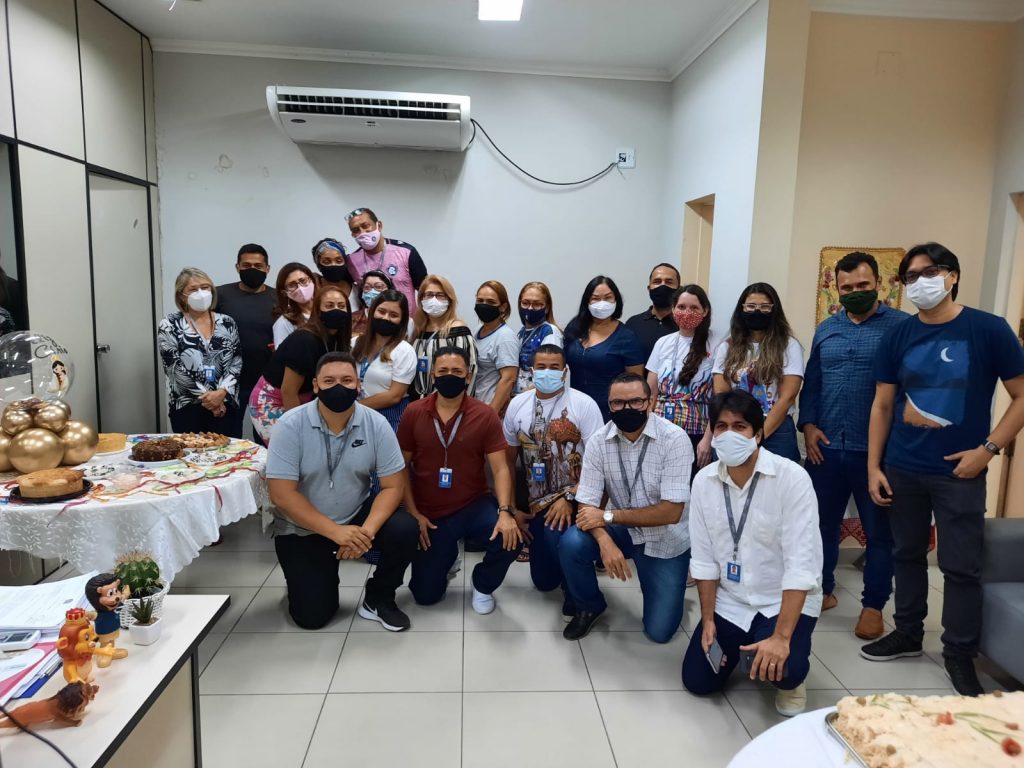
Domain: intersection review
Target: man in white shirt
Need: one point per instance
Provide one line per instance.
(756, 557)
(642, 466)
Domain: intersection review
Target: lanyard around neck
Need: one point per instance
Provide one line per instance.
(451, 438)
(737, 532)
(333, 461)
(639, 468)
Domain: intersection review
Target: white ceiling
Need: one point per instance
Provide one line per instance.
(638, 39)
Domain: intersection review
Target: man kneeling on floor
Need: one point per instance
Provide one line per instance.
(756, 557)
(318, 471)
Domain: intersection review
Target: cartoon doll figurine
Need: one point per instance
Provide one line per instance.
(104, 593)
(77, 644)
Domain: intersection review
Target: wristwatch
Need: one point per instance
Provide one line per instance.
(609, 517)
(506, 508)
(570, 496)
(991, 447)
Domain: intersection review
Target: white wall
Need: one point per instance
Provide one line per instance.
(715, 128)
(227, 176)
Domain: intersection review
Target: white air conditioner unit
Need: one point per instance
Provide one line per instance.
(371, 118)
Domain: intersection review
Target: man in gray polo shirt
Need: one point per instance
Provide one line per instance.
(321, 459)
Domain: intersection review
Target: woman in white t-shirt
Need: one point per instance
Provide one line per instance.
(763, 357)
(679, 370)
(387, 362)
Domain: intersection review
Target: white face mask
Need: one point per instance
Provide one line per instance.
(201, 300)
(602, 310)
(928, 292)
(733, 448)
(435, 307)
(368, 240)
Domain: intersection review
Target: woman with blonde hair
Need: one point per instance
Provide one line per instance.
(202, 359)
(497, 348)
(536, 311)
(437, 324)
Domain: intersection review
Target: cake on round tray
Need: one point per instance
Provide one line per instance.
(50, 483)
(889, 730)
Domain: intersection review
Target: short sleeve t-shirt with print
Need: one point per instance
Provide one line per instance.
(945, 376)
(689, 402)
(767, 393)
(376, 375)
(553, 434)
(494, 351)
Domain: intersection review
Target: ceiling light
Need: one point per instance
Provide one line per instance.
(500, 10)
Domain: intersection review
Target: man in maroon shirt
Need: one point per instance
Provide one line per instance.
(446, 437)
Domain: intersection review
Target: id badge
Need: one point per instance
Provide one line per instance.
(733, 571)
(444, 478)
(423, 365)
(670, 411)
(540, 472)
(209, 375)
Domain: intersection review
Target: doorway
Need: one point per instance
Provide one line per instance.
(698, 227)
(122, 278)
(1011, 483)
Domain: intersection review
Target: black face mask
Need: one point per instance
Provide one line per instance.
(533, 317)
(487, 313)
(252, 278)
(338, 398)
(384, 327)
(450, 385)
(661, 297)
(334, 273)
(757, 321)
(335, 319)
(629, 420)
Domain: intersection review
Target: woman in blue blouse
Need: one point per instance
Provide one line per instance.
(597, 346)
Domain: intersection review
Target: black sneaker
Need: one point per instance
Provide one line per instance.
(960, 671)
(581, 624)
(388, 614)
(895, 645)
(568, 611)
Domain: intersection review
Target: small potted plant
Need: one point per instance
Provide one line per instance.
(140, 573)
(146, 627)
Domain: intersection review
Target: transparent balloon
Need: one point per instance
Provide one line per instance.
(33, 365)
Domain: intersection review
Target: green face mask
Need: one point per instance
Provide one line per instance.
(859, 302)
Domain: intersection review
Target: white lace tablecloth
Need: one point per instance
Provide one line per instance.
(173, 522)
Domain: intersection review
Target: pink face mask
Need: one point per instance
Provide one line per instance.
(369, 240)
(300, 294)
(688, 319)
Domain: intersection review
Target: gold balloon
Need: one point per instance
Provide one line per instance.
(62, 405)
(79, 441)
(35, 449)
(5, 444)
(14, 421)
(50, 417)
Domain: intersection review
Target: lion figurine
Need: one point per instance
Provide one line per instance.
(77, 643)
(66, 707)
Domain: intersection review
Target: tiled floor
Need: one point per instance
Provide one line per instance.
(487, 691)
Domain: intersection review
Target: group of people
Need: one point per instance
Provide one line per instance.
(395, 432)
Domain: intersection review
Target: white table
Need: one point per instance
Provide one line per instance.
(800, 742)
(146, 712)
(172, 522)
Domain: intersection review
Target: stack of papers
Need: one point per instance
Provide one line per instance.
(39, 607)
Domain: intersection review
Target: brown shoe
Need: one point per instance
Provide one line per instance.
(870, 625)
(828, 602)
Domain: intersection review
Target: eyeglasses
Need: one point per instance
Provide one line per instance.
(762, 308)
(909, 278)
(532, 304)
(440, 295)
(302, 282)
(635, 404)
(356, 212)
(375, 287)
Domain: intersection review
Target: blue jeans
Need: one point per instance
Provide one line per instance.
(662, 580)
(699, 678)
(545, 570)
(841, 474)
(783, 441)
(429, 580)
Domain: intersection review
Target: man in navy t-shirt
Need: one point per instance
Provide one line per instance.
(936, 374)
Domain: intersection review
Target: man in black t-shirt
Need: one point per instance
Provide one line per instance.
(656, 321)
(250, 303)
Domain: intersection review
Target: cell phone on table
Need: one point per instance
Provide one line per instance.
(19, 640)
(747, 662)
(714, 656)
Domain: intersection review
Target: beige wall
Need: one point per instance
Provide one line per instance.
(898, 148)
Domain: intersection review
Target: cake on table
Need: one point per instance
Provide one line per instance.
(164, 449)
(111, 441)
(894, 731)
(200, 441)
(50, 483)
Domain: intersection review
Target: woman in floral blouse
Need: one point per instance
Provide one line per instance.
(200, 353)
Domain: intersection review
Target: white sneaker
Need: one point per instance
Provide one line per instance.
(791, 703)
(482, 604)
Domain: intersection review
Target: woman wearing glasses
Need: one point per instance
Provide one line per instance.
(437, 324)
(536, 311)
(296, 284)
(397, 259)
(763, 357)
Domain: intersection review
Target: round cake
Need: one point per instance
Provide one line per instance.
(165, 449)
(200, 441)
(49, 483)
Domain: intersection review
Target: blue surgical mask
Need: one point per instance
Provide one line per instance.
(548, 381)
(369, 296)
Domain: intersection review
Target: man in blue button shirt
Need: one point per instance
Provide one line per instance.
(835, 409)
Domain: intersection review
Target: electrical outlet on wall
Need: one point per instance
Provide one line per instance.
(625, 157)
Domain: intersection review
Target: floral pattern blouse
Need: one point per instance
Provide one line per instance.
(195, 365)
